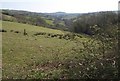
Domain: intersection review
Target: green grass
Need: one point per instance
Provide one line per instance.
(50, 22)
(62, 23)
(8, 18)
(36, 56)
(29, 28)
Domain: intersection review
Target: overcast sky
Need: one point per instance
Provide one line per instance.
(69, 6)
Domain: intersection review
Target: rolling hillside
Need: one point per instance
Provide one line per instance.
(56, 20)
(30, 28)
(33, 49)
(37, 56)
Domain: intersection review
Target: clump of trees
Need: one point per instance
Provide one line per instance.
(102, 27)
(103, 20)
(24, 17)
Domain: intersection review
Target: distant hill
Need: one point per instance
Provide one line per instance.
(63, 15)
(57, 20)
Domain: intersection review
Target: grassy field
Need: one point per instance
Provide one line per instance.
(7, 17)
(50, 22)
(38, 56)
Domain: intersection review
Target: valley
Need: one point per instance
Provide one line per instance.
(58, 46)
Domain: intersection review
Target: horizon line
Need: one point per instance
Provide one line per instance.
(56, 11)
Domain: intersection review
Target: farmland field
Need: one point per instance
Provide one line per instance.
(59, 45)
(44, 41)
(40, 56)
